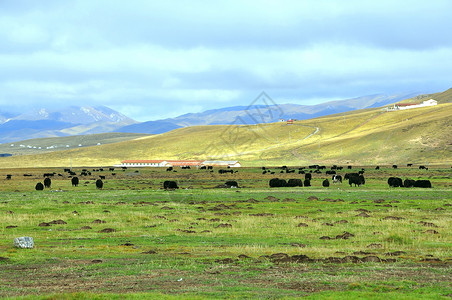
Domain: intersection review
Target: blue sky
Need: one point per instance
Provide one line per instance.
(157, 59)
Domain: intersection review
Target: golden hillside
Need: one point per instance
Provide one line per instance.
(372, 136)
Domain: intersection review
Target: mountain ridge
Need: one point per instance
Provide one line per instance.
(79, 120)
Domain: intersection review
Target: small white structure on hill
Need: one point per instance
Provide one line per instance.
(403, 106)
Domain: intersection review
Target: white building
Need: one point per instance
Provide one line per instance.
(403, 106)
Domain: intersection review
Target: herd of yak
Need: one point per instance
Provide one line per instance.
(356, 179)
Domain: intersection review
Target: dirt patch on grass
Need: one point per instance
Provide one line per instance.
(281, 277)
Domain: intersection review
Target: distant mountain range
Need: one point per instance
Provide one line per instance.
(77, 120)
(263, 113)
(72, 120)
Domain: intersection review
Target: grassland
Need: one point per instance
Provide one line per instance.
(368, 137)
(47, 145)
(204, 241)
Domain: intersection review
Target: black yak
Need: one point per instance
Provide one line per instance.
(408, 183)
(47, 182)
(326, 183)
(307, 182)
(99, 184)
(74, 181)
(39, 186)
(221, 171)
(395, 182)
(294, 182)
(231, 184)
(170, 185)
(423, 183)
(308, 176)
(276, 182)
(355, 179)
(394, 166)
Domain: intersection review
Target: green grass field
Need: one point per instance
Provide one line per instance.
(135, 240)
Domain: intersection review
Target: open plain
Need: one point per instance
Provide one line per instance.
(133, 238)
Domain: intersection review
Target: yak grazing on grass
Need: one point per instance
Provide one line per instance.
(294, 183)
(47, 182)
(74, 181)
(231, 183)
(170, 185)
(408, 183)
(99, 184)
(326, 183)
(355, 178)
(395, 182)
(423, 184)
(39, 186)
(276, 182)
(337, 178)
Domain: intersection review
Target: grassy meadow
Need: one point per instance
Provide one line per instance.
(132, 239)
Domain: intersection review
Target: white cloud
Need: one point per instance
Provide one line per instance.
(173, 55)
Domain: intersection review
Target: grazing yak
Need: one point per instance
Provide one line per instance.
(99, 184)
(408, 183)
(221, 171)
(276, 182)
(8, 176)
(355, 178)
(331, 172)
(294, 183)
(39, 186)
(170, 185)
(231, 184)
(326, 183)
(47, 182)
(74, 181)
(337, 178)
(308, 176)
(377, 168)
(423, 183)
(394, 166)
(307, 182)
(395, 182)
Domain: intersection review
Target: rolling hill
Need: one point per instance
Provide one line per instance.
(369, 136)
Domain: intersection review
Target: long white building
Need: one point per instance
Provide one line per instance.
(177, 163)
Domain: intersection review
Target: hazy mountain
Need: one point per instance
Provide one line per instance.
(76, 120)
(150, 127)
(263, 113)
(76, 115)
(56, 123)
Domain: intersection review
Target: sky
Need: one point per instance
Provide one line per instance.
(157, 59)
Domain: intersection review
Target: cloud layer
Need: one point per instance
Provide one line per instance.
(151, 60)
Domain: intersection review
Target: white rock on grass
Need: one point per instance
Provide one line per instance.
(24, 242)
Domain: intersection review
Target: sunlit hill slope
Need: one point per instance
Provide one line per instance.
(372, 136)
